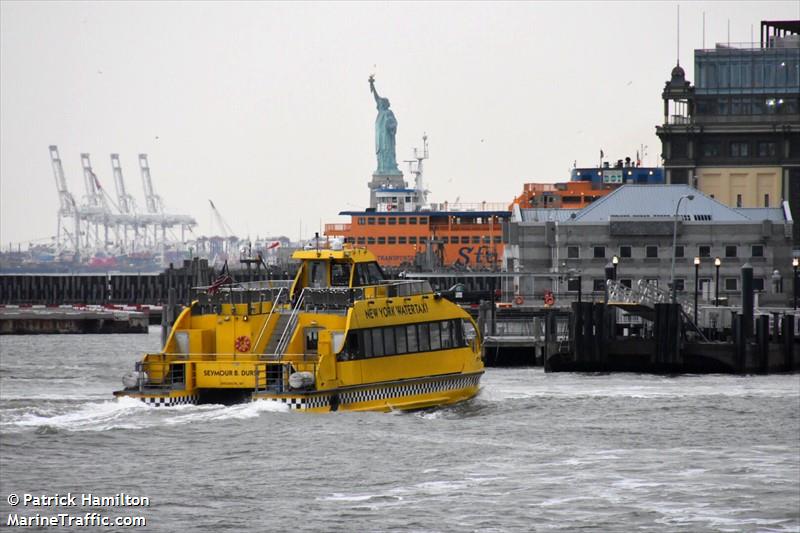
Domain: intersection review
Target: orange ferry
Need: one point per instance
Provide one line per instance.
(458, 234)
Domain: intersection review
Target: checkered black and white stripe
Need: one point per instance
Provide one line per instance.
(167, 401)
(368, 394)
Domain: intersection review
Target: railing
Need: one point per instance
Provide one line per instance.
(161, 375)
(266, 321)
(274, 376)
(337, 229)
(645, 293)
(286, 335)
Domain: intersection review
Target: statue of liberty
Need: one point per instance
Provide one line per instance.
(385, 130)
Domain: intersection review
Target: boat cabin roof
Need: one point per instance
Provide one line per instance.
(353, 255)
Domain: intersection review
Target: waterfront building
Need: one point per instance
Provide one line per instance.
(635, 225)
(735, 133)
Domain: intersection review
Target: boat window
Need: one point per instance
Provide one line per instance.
(436, 341)
(367, 348)
(377, 343)
(400, 338)
(412, 220)
(412, 240)
(411, 333)
(368, 274)
(381, 221)
(424, 338)
(401, 220)
(423, 220)
(381, 240)
(392, 220)
(447, 335)
(389, 347)
(340, 274)
(317, 274)
(469, 331)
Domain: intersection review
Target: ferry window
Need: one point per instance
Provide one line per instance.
(573, 252)
(444, 240)
(476, 239)
(599, 252)
(392, 240)
(679, 251)
(464, 240)
(625, 251)
(381, 221)
(412, 220)
(370, 240)
(651, 251)
(362, 221)
(731, 284)
(370, 220)
(361, 240)
(447, 335)
(367, 335)
(424, 338)
(340, 274)
(573, 284)
(388, 341)
(766, 149)
(423, 220)
(458, 333)
(704, 251)
(401, 220)
(375, 273)
(411, 334)
(498, 239)
(436, 340)
(317, 274)
(412, 240)
(381, 240)
(312, 340)
(757, 250)
(401, 240)
(730, 251)
(392, 220)
(377, 342)
(400, 338)
(469, 331)
(423, 240)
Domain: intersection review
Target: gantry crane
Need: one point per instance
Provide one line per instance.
(67, 206)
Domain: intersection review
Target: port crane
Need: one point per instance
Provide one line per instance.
(67, 209)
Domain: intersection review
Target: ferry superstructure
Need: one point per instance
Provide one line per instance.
(339, 337)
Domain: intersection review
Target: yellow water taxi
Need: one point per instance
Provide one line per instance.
(339, 337)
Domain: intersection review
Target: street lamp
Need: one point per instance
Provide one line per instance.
(717, 263)
(696, 285)
(795, 264)
(615, 262)
(689, 197)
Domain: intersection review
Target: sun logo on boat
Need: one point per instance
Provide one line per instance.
(242, 344)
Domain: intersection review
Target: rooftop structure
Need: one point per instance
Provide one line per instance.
(734, 134)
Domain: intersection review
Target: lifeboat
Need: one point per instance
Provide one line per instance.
(339, 337)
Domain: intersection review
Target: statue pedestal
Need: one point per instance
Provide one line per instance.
(384, 181)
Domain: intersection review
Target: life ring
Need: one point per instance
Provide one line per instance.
(519, 300)
(242, 344)
(549, 299)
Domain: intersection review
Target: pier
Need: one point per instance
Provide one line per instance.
(32, 320)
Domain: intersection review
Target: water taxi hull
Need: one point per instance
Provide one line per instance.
(402, 395)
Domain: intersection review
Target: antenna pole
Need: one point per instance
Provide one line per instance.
(678, 51)
(704, 30)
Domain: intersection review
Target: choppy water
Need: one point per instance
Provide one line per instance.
(533, 452)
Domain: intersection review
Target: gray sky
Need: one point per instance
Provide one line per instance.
(265, 107)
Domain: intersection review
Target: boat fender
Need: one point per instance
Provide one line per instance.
(131, 379)
(301, 380)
